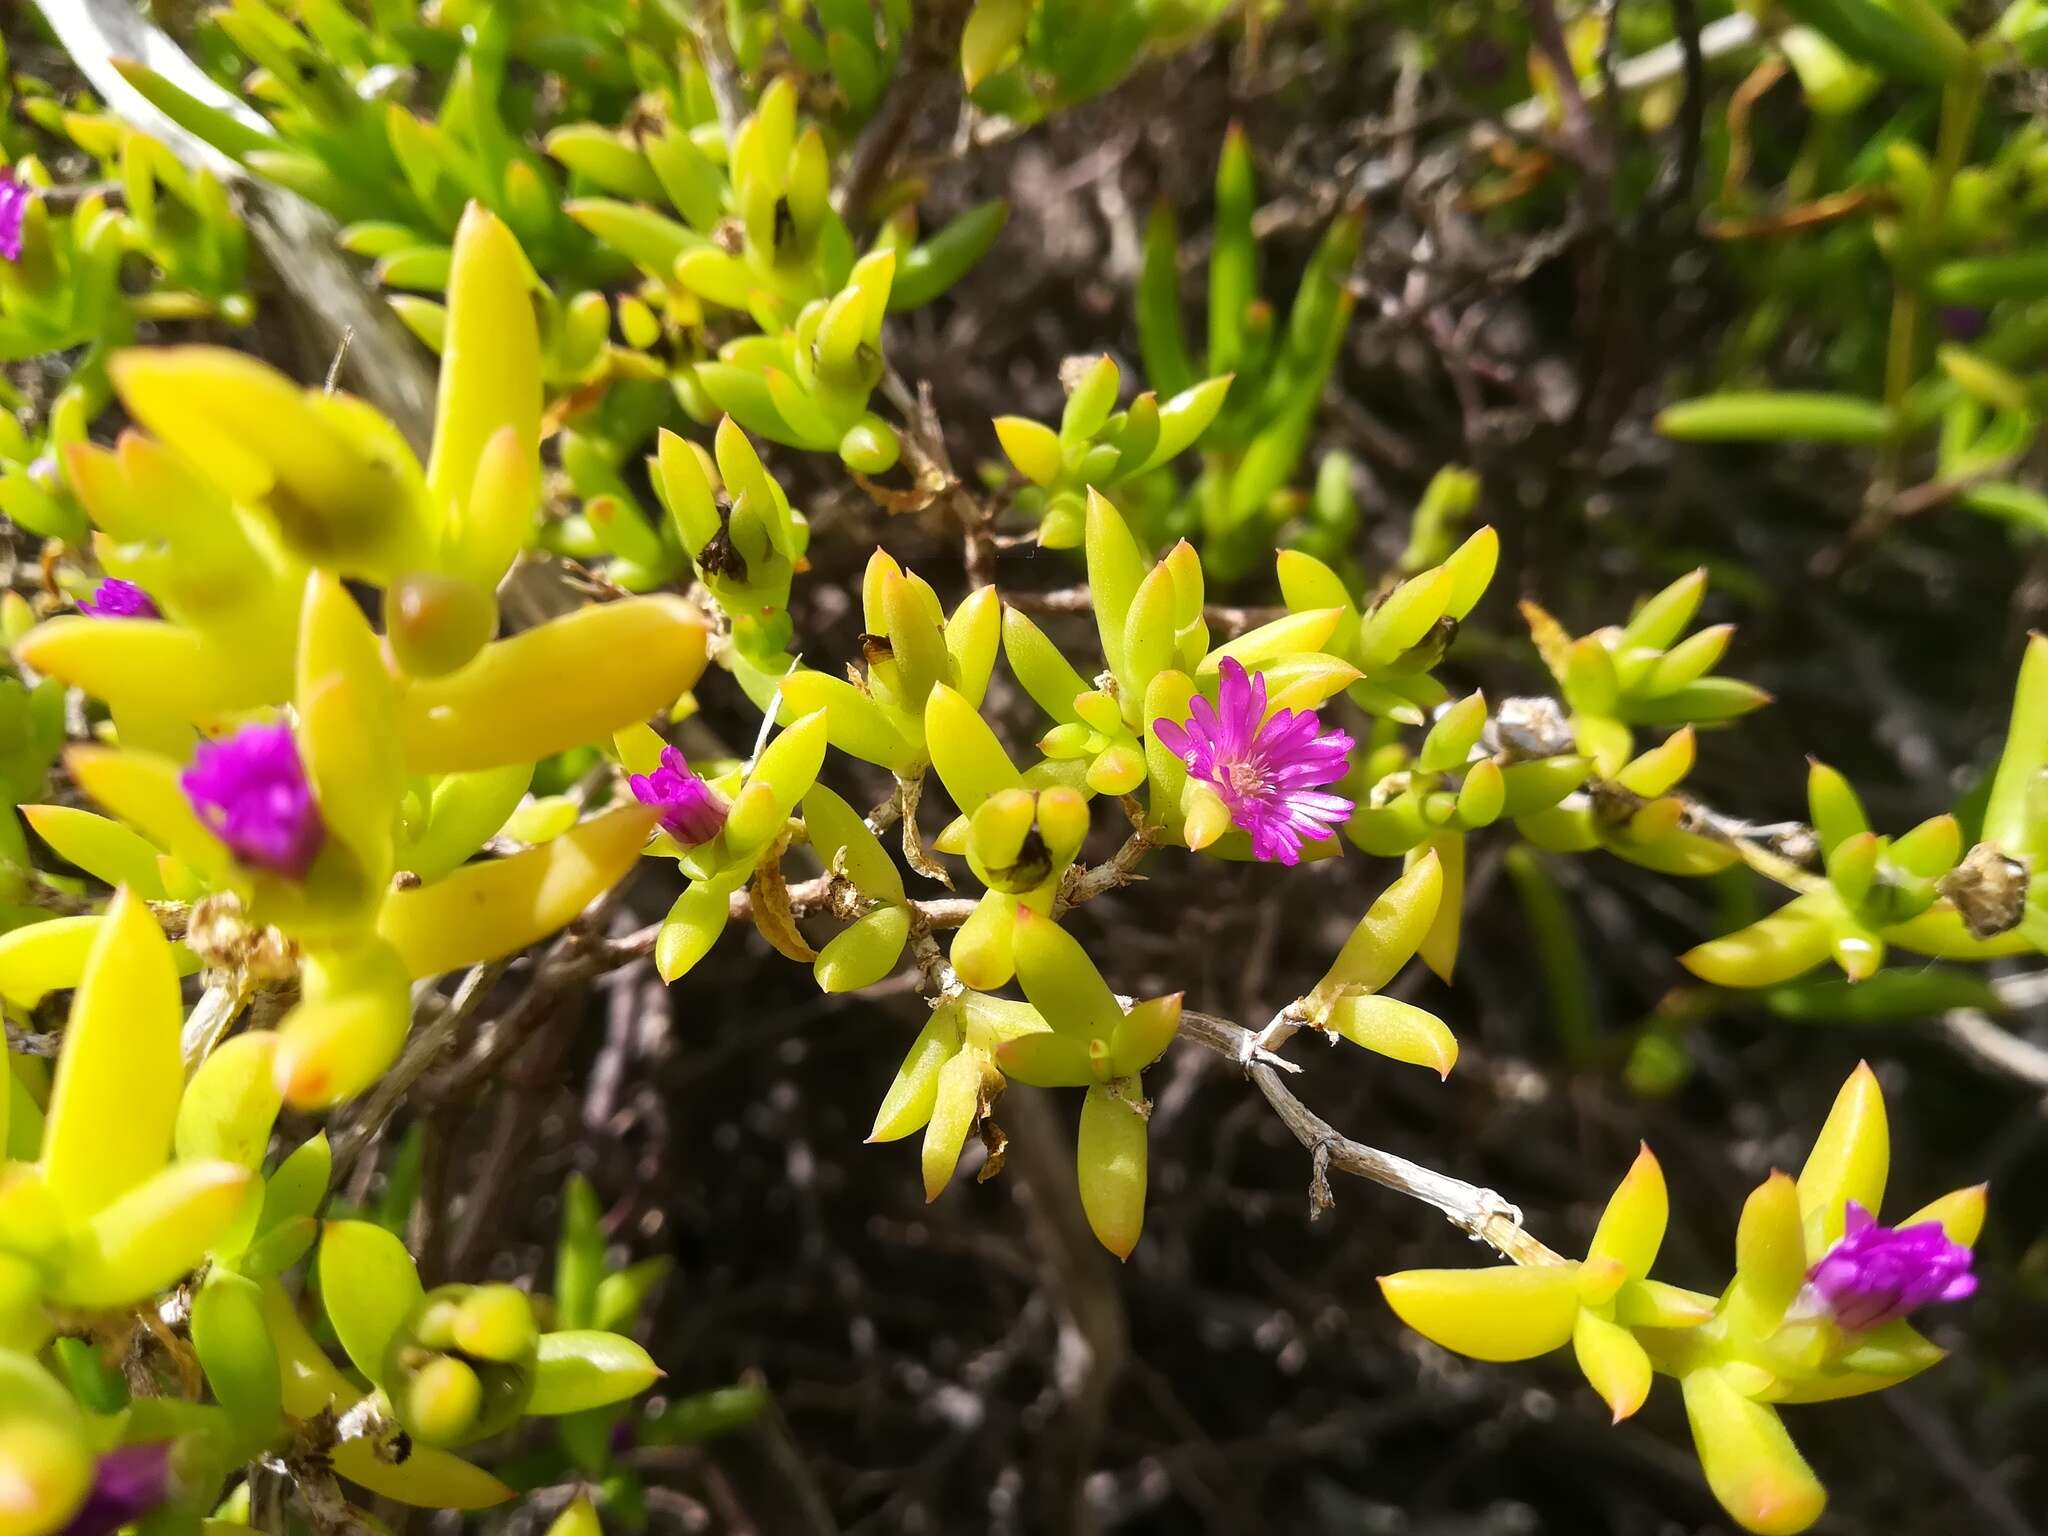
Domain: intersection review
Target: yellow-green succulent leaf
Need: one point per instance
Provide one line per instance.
(490, 381)
(1631, 1228)
(1613, 1362)
(555, 686)
(863, 953)
(100, 846)
(1489, 1314)
(114, 1104)
(841, 839)
(968, 759)
(908, 1104)
(482, 911)
(1110, 1161)
(1385, 938)
(1770, 1254)
(579, 1369)
(1959, 1212)
(369, 1284)
(230, 1105)
(1061, 981)
(1395, 1029)
(1751, 1464)
(153, 1234)
(1849, 1160)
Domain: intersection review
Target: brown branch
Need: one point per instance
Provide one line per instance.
(1592, 152)
(1479, 1212)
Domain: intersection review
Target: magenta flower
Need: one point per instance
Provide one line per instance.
(129, 1482)
(691, 810)
(1878, 1274)
(1269, 773)
(252, 791)
(118, 599)
(14, 198)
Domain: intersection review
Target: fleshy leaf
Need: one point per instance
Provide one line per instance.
(1061, 981)
(908, 1104)
(863, 953)
(1751, 1463)
(155, 1233)
(556, 686)
(1631, 1229)
(1110, 1160)
(1613, 1362)
(114, 1104)
(485, 910)
(1489, 1314)
(369, 1284)
(583, 1369)
(1385, 938)
(1395, 1029)
(1770, 1251)
(1849, 1161)
(968, 759)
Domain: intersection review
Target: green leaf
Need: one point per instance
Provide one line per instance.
(1385, 938)
(841, 840)
(929, 268)
(1039, 666)
(1850, 1159)
(231, 1103)
(1162, 343)
(152, 1235)
(908, 1104)
(1976, 280)
(1770, 1254)
(1776, 416)
(2020, 765)
(1398, 1030)
(233, 1344)
(1110, 1162)
(104, 849)
(1048, 1059)
(1233, 254)
(580, 1369)
(369, 1285)
(1061, 981)
(1115, 568)
(1631, 1228)
(863, 953)
(114, 1103)
(1489, 1314)
(1750, 1462)
(968, 759)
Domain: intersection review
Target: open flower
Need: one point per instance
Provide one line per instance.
(13, 205)
(691, 811)
(252, 791)
(1878, 1274)
(118, 599)
(1268, 773)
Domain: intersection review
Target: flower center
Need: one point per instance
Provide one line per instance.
(1245, 778)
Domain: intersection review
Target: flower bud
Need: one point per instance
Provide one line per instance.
(461, 1366)
(437, 622)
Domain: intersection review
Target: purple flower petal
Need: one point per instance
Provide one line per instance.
(691, 811)
(128, 1482)
(1269, 773)
(1876, 1275)
(118, 599)
(14, 197)
(252, 791)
